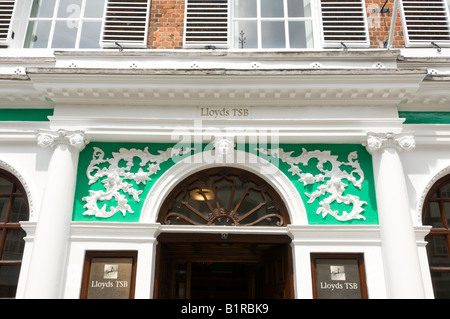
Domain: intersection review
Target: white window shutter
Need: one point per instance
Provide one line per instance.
(125, 24)
(6, 14)
(206, 23)
(425, 21)
(344, 23)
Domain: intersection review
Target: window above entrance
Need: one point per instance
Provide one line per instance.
(276, 24)
(224, 196)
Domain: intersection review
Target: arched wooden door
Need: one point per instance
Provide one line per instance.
(226, 264)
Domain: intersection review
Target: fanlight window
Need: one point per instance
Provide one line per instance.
(224, 196)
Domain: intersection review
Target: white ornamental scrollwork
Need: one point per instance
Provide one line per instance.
(333, 187)
(75, 139)
(114, 176)
(400, 141)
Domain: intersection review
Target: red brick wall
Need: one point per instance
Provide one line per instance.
(166, 24)
(380, 24)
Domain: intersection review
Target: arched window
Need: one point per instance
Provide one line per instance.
(224, 196)
(13, 209)
(436, 212)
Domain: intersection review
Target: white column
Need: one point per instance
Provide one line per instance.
(46, 269)
(400, 253)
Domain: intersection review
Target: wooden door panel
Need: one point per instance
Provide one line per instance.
(277, 273)
(272, 256)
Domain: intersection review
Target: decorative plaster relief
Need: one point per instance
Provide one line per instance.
(224, 146)
(334, 187)
(114, 175)
(50, 138)
(401, 141)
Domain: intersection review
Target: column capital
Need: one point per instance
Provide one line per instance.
(76, 139)
(400, 141)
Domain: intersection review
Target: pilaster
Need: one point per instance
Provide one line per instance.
(45, 279)
(400, 253)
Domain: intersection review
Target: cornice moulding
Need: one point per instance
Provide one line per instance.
(345, 235)
(287, 130)
(113, 231)
(335, 235)
(145, 130)
(200, 87)
(430, 134)
(14, 77)
(419, 73)
(140, 123)
(424, 60)
(21, 93)
(13, 132)
(438, 78)
(179, 59)
(300, 234)
(189, 53)
(224, 229)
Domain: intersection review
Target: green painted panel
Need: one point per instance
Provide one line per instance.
(425, 117)
(84, 188)
(25, 115)
(366, 192)
(336, 177)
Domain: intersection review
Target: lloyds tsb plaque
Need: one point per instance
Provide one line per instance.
(338, 276)
(109, 275)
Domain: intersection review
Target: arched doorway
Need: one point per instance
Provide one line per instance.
(436, 213)
(14, 208)
(229, 263)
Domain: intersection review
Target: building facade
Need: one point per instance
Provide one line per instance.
(224, 149)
